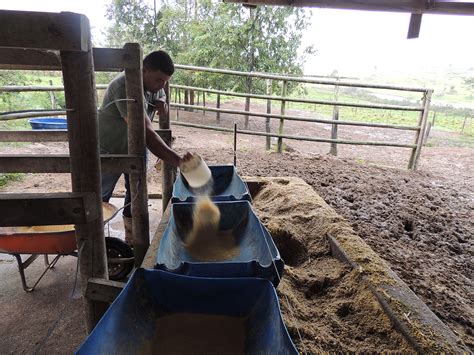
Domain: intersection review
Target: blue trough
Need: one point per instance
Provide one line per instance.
(257, 255)
(162, 313)
(48, 123)
(227, 185)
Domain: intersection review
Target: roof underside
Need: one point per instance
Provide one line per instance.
(409, 6)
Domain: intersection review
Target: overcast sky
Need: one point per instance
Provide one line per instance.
(350, 41)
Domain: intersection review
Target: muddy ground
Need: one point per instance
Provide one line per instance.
(421, 223)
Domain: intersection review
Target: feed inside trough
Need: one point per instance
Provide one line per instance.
(190, 333)
(205, 242)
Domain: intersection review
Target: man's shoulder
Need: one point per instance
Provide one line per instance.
(118, 81)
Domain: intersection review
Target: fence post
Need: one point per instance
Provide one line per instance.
(415, 154)
(464, 124)
(434, 118)
(335, 117)
(52, 96)
(204, 102)
(247, 108)
(218, 105)
(282, 112)
(269, 110)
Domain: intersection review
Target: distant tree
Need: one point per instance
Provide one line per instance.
(214, 34)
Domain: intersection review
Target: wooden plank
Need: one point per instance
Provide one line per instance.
(421, 133)
(414, 26)
(58, 31)
(34, 136)
(60, 163)
(30, 114)
(410, 6)
(300, 138)
(105, 59)
(168, 172)
(18, 88)
(112, 59)
(83, 130)
(103, 290)
(304, 119)
(45, 209)
(29, 59)
(137, 146)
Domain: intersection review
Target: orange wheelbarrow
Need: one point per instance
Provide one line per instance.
(60, 241)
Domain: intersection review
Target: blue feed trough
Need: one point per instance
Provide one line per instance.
(226, 186)
(48, 123)
(161, 313)
(253, 252)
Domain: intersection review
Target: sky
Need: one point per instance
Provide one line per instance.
(351, 42)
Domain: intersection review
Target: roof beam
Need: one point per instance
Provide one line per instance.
(43, 30)
(409, 6)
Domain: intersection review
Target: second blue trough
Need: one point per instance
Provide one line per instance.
(227, 185)
(257, 254)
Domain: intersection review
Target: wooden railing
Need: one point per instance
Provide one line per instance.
(283, 115)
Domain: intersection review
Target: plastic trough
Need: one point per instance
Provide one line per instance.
(48, 123)
(130, 325)
(227, 186)
(257, 257)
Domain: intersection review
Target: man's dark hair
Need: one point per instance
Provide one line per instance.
(159, 60)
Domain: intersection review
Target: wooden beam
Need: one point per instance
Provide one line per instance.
(45, 209)
(103, 290)
(410, 6)
(83, 130)
(168, 172)
(105, 59)
(414, 26)
(58, 31)
(34, 136)
(60, 163)
(137, 146)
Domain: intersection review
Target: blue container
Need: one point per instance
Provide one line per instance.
(227, 186)
(131, 324)
(257, 254)
(48, 123)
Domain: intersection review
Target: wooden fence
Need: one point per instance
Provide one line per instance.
(282, 116)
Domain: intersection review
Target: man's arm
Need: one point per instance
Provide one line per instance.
(158, 147)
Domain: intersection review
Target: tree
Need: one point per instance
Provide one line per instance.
(215, 34)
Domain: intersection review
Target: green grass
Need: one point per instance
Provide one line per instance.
(7, 178)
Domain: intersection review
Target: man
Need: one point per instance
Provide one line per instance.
(158, 68)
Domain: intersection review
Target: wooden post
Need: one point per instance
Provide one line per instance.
(218, 105)
(52, 96)
(464, 124)
(282, 120)
(267, 120)
(203, 102)
(434, 119)
(247, 108)
(335, 117)
(427, 133)
(80, 94)
(415, 154)
(137, 146)
(167, 171)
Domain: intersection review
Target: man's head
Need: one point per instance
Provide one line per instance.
(158, 68)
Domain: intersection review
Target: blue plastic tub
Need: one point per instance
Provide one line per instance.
(257, 254)
(48, 123)
(134, 323)
(227, 186)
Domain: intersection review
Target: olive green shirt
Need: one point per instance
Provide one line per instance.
(112, 126)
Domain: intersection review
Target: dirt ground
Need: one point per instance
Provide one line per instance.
(420, 222)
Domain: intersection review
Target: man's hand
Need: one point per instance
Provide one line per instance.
(160, 106)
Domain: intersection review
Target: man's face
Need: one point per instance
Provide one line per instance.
(154, 80)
